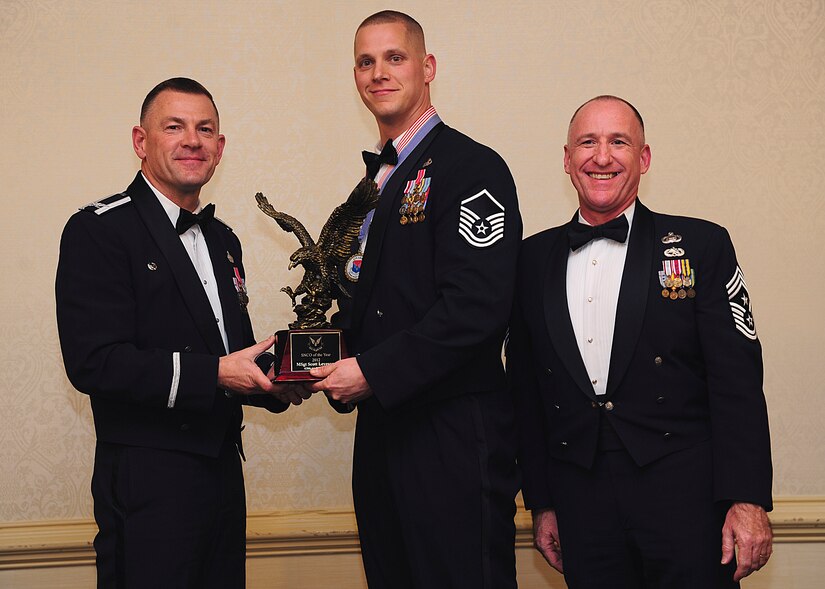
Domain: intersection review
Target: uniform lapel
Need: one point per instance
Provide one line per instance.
(224, 272)
(390, 201)
(633, 295)
(192, 294)
(557, 313)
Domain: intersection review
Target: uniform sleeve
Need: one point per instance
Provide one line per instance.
(733, 359)
(474, 285)
(524, 390)
(97, 318)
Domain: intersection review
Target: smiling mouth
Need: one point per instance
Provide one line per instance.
(597, 176)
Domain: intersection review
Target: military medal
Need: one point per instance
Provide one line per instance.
(677, 278)
(240, 288)
(415, 199)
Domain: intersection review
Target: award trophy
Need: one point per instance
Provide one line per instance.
(310, 341)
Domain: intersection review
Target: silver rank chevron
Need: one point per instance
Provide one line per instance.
(481, 221)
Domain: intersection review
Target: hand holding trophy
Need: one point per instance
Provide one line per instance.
(310, 341)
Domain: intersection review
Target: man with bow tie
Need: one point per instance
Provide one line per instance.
(434, 472)
(637, 374)
(153, 324)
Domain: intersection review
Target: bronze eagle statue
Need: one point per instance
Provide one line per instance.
(321, 283)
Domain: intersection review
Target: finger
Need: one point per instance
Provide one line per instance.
(555, 560)
(263, 384)
(745, 565)
(323, 371)
(727, 546)
(321, 385)
(264, 345)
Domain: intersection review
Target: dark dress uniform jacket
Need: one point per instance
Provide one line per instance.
(681, 371)
(128, 296)
(435, 445)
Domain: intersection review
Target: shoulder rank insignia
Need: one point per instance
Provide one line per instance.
(740, 305)
(481, 220)
(107, 204)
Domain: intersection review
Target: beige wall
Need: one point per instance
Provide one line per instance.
(732, 93)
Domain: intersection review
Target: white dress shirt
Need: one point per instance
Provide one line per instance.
(594, 277)
(195, 245)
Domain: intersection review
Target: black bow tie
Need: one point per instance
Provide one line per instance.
(579, 233)
(373, 160)
(187, 219)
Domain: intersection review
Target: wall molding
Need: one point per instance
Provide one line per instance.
(26, 545)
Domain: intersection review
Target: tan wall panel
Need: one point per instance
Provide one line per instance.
(732, 94)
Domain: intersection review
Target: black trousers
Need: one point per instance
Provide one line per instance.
(622, 526)
(434, 492)
(169, 519)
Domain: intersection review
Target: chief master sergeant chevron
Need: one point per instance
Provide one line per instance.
(153, 324)
(434, 473)
(637, 374)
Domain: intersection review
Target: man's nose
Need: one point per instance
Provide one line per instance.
(379, 72)
(191, 138)
(603, 154)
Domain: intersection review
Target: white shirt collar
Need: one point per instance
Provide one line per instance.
(172, 210)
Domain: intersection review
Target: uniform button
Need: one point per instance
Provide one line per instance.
(217, 320)
(549, 371)
(557, 407)
(657, 360)
(609, 405)
(204, 282)
(380, 313)
(594, 262)
(184, 427)
(590, 340)
(564, 444)
(228, 394)
(667, 435)
(589, 299)
(187, 349)
(595, 380)
(660, 400)
(593, 404)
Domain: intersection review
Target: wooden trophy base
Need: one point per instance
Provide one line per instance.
(299, 350)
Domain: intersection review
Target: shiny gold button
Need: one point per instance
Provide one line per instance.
(609, 406)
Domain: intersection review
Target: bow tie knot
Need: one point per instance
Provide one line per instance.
(580, 234)
(373, 160)
(187, 219)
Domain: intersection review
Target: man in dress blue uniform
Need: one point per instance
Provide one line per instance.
(434, 473)
(637, 374)
(153, 324)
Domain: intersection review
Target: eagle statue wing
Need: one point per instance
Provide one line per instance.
(340, 232)
(287, 222)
